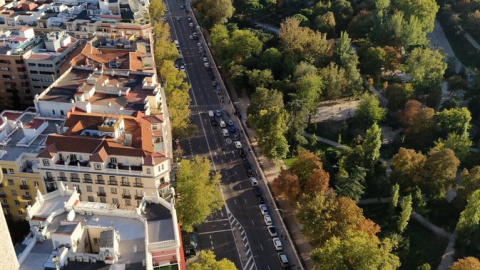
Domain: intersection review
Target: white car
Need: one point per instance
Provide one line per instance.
(205, 59)
(253, 181)
(268, 220)
(263, 209)
(207, 64)
(272, 231)
(277, 243)
(238, 144)
(199, 44)
(190, 37)
(182, 68)
(191, 24)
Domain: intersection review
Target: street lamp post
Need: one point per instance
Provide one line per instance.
(282, 213)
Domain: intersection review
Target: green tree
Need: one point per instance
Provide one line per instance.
(467, 263)
(397, 96)
(440, 172)
(325, 23)
(357, 250)
(343, 11)
(424, 266)
(287, 185)
(302, 69)
(371, 146)
(460, 144)
(309, 88)
(375, 58)
(369, 110)
(243, 45)
(297, 122)
(264, 99)
(260, 77)
(469, 218)
(407, 168)
(344, 46)
(470, 183)
(395, 196)
(427, 67)
(406, 213)
(271, 59)
(208, 261)
(456, 120)
(179, 113)
(214, 12)
(156, 10)
(270, 126)
(351, 185)
(200, 194)
(424, 10)
(335, 81)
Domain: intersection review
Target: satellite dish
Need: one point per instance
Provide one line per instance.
(71, 215)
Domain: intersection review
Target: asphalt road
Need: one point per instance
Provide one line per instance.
(237, 232)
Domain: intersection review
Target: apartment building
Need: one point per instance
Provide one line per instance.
(8, 256)
(108, 158)
(22, 136)
(68, 233)
(81, 19)
(22, 50)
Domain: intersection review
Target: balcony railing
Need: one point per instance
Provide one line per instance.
(102, 193)
(5, 205)
(127, 196)
(138, 184)
(49, 179)
(62, 178)
(51, 189)
(138, 196)
(100, 182)
(24, 187)
(75, 179)
(3, 195)
(27, 197)
(125, 184)
(112, 183)
(87, 180)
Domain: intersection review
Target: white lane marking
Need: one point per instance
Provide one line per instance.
(261, 247)
(253, 223)
(245, 201)
(208, 145)
(217, 220)
(219, 231)
(235, 201)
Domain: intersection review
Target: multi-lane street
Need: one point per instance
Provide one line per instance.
(239, 231)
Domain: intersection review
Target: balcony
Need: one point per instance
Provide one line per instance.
(138, 185)
(27, 197)
(119, 168)
(75, 179)
(100, 182)
(87, 180)
(50, 189)
(127, 196)
(125, 184)
(1, 185)
(50, 179)
(3, 195)
(63, 178)
(138, 196)
(113, 183)
(102, 193)
(5, 205)
(24, 187)
(79, 163)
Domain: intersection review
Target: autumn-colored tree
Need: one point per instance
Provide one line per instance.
(407, 168)
(319, 181)
(408, 115)
(440, 172)
(467, 263)
(326, 215)
(306, 163)
(287, 185)
(209, 262)
(470, 183)
(419, 123)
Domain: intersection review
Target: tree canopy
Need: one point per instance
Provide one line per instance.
(200, 194)
(209, 262)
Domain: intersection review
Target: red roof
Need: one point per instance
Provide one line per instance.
(182, 264)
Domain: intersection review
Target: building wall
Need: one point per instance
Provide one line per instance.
(7, 256)
(14, 83)
(18, 189)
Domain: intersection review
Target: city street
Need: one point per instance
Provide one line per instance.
(237, 232)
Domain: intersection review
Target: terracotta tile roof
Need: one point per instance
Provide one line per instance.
(35, 123)
(182, 263)
(154, 118)
(100, 156)
(135, 59)
(155, 158)
(48, 152)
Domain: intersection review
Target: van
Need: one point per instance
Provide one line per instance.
(225, 132)
(176, 43)
(211, 114)
(222, 124)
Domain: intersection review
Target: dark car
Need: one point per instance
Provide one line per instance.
(261, 200)
(257, 191)
(214, 122)
(242, 152)
(233, 129)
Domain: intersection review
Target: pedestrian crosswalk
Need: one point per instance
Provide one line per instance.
(246, 255)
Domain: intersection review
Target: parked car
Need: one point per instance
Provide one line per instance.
(233, 128)
(238, 144)
(282, 257)
(277, 243)
(257, 191)
(260, 200)
(263, 209)
(272, 231)
(242, 153)
(253, 181)
(268, 220)
(218, 113)
(214, 122)
(222, 124)
(230, 122)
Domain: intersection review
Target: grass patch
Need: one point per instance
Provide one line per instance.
(420, 246)
(290, 161)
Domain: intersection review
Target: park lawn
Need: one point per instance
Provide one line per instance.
(289, 161)
(424, 246)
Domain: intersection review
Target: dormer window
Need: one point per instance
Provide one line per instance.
(113, 160)
(46, 162)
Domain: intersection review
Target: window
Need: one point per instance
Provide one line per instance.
(35, 184)
(90, 199)
(6, 76)
(32, 64)
(46, 162)
(114, 200)
(53, 112)
(17, 202)
(11, 171)
(127, 202)
(149, 171)
(113, 190)
(18, 62)
(113, 160)
(4, 62)
(33, 72)
(5, 201)
(100, 177)
(21, 69)
(20, 212)
(4, 171)
(14, 192)
(89, 188)
(103, 200)
(27, 193)
(46, 73)
(22, 77)
(98, 166)
(95, 241)
(10, 182)
(4, 69)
